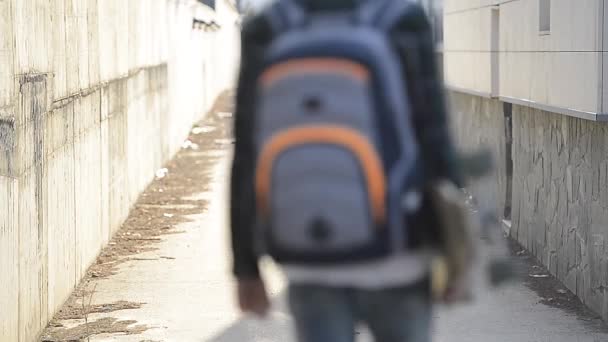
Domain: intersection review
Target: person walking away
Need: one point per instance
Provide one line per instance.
(340, 128)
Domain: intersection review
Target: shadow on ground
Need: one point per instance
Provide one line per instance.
(277, 327)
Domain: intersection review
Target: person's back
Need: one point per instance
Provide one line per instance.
(390, 294)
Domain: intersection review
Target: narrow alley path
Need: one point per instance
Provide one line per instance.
(166, 275)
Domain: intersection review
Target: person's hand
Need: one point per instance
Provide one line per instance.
(446, 290)
(458, 292)
(253, 297)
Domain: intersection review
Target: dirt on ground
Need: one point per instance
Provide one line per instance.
(552, 292)
(100, 326)
(78, 312)
(167, 202)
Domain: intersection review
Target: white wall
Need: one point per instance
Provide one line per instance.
(559, 69)
(467, 45)
(95, 95)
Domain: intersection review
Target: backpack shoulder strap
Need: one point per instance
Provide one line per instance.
(383, 14)
(369, 11)
(286, 15)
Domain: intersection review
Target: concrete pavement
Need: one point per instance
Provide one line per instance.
(186, 293)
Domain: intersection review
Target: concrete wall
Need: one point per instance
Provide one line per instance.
(95, 95)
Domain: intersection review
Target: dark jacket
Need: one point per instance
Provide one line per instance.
(412, 37)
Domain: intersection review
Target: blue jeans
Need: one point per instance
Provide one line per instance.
(324, 314)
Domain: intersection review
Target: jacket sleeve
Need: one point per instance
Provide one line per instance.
(254, 37)
(413, 37)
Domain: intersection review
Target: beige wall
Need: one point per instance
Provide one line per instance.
(95, 95)
(467, 46)
(561, 69)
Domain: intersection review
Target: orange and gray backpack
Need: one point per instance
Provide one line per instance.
(336, 149)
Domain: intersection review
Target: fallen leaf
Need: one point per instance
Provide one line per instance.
(224, 115)
(161, 173)
(203, 129)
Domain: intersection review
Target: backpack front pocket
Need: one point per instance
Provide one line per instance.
(321, 187)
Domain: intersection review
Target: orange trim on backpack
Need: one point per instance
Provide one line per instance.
(346, 137)
(314, 65)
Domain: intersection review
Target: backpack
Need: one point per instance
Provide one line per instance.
(336, 153)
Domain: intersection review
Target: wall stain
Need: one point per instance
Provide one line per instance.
(8, 142)
(33, 91)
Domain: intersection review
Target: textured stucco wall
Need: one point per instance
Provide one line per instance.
(95, 95)
(559, 198)
(560, 202)
(479, 123)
